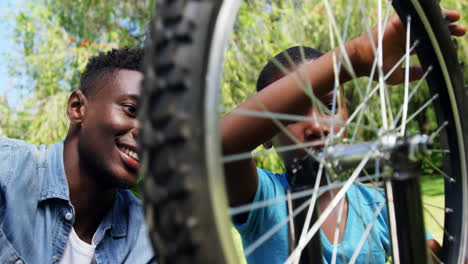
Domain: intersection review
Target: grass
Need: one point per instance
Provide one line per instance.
(432, 188)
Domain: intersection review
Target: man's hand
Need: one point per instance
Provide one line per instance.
(394, 47)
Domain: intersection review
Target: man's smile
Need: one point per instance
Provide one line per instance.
(129, 155)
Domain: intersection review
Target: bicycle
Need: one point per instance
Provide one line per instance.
(185, 199)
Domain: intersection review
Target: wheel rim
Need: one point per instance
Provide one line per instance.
(220, 42)
(440, 57)
(225, 18)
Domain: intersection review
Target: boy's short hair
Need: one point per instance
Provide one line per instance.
(288, 58)
(104, 65)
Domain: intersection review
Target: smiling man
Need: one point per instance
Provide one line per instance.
(68, 203)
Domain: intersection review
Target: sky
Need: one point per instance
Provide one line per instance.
(6, 46)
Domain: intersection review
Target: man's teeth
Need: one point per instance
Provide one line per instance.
(130, 153)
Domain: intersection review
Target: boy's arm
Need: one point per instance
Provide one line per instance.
(241, 134)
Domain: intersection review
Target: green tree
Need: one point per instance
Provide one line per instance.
(55, 40)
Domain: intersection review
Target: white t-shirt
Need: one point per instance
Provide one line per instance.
(77, 251)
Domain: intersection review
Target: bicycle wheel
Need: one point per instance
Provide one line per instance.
(184, 192)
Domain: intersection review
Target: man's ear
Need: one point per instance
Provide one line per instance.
(268, 144)
(76, 108)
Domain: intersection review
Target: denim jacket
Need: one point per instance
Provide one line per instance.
(36, 215)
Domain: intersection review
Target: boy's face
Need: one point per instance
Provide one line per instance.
(316, 131)
(108, 136)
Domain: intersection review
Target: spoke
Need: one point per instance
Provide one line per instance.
(392, 221)
(356, 111)
(420, 109)
(335, 91)
(362, 105)
(279, 116)
(278, 123)
(389, 105)
(369, 30)
(383, 108)
(292, 228)
(450, 237)
(337, 232)
(361, 218)
(248, 155)
(348, 19)
(284, 129)
(274, 229)
(302, 83)
(450, 179)
(366, 226)
(366, 234)
(296, 195)
(440, 150)
(386, 107)
(405, 102)
(296, 118)
(434, 256)
(413, 92)
(365, 14)
(405, 57)
(433, 205)
(361, 113)
(342, 50)
(336, 94)
(303, 242)
(387, 97)
(316, 105)
(312, 203)
(437, 132)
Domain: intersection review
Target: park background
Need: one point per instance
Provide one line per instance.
(45, 44)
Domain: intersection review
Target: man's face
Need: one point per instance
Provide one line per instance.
(316, 131)
(108, 136)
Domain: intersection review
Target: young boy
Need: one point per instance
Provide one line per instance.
(246, 183)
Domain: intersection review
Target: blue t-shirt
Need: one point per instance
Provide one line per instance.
(362, 203)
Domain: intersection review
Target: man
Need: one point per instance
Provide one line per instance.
(246, 183)
(69, 203)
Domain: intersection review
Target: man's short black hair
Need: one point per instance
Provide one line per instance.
(288, 58)
(104, 65)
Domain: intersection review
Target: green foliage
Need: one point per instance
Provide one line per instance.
(5, 112)
(55, 40)
(265, 28)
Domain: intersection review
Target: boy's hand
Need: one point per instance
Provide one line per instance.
(394, 46)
